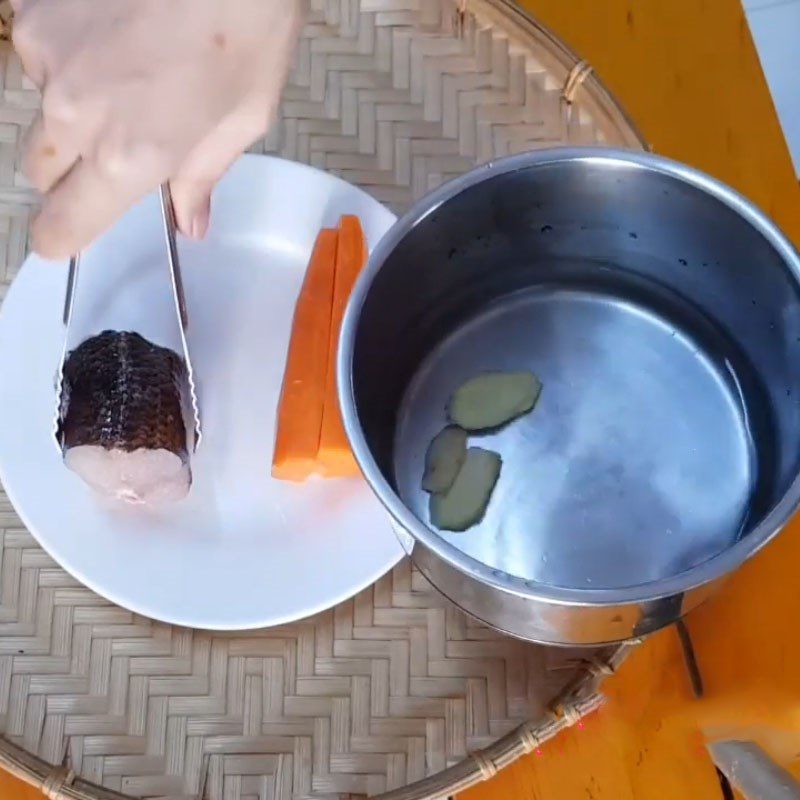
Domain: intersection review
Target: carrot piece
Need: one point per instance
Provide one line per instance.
(335, 456)
(302, 398)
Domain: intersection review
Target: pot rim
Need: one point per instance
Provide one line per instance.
(707, 571)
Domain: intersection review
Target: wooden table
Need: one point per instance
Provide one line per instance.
(688, 73)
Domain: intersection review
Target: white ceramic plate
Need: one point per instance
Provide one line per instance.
(243, 550)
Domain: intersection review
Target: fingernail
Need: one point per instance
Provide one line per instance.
(199, 224)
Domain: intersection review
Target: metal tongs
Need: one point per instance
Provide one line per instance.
(168, 219)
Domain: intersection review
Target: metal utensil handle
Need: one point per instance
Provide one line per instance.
(752, 772)
(168, 215)
(69, 295)
(66, 316)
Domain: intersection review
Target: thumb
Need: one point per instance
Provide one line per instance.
(208, 162)
(191, 199)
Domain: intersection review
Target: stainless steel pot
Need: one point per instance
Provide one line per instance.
(661, 310)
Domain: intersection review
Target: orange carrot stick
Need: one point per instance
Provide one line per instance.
(304, 388)
(335, 456)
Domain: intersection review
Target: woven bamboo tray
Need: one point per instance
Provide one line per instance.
(395, 691)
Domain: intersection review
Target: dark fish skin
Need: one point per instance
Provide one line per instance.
(123, 392)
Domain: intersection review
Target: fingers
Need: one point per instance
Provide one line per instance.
(208, 162)
(47, 157)
(65, 130)
(32, 36)
(29, 55)
(85, 203)
(84, 196)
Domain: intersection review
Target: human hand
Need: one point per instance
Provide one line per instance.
(137, 92)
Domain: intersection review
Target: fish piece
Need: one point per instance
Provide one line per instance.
(125, 418)
(446, 454)
(465, 503)
(492, 399)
